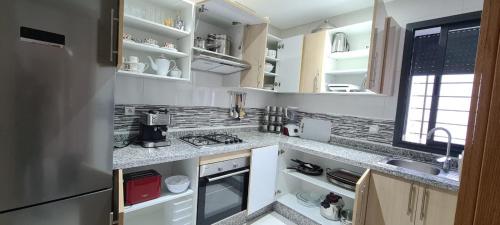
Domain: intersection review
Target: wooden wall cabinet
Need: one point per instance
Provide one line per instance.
(395, 201)
(254, 47)
(311, 75)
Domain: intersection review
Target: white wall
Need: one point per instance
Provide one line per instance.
(207, 89)
(382, 107)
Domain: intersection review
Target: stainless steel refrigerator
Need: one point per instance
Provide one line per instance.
(57, 72)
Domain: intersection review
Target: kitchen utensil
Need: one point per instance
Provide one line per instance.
(179, 23)
(272, 109)
(177, 184)
(279, 110)
(291, 130)
(271, 128)
(141, 67)
(219, 43)
(168, 22)
(346, 216)
(151, 41)
(344, 178)
(263, 128)
(308, 199)
(315, 129)
(175, 71)
(340, 43)
(133, 59)
(279, 119)
(127, 36)
(306, 168)
(133, 67)
(199, 42)
(277, 129)
(331, 207)
(243, 103)
(161, 65)
(268, 67)
(169, 45)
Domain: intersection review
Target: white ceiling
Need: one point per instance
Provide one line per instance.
(285, 14)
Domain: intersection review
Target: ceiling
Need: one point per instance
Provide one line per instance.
(285, 14)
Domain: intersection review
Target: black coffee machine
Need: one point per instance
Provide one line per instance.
(154, 128)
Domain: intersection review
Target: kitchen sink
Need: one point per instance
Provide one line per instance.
(413, 165)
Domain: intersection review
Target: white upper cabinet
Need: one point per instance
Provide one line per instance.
(289, 64)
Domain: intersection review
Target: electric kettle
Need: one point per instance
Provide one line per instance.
(340, 43)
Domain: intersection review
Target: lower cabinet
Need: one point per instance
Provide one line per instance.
(395, 201)
(263, 171)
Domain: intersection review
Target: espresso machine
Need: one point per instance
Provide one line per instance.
(154, 126)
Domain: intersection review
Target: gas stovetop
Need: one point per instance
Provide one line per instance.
(211, 139)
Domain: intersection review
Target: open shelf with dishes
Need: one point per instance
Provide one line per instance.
(347, 64)
(273, 44)
(293, 185)
(157, 39)
(169, 208)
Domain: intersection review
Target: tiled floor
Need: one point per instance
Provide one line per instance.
(272, 218)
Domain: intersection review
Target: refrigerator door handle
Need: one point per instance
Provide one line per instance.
(112, 36)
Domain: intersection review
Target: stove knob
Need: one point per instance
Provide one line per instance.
(219, 169)
(226, 142)
(239, 140)
(231, 141)
(235, 165)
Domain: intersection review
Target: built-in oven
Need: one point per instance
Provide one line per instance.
(222, 190)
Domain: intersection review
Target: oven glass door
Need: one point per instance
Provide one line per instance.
(222, 195)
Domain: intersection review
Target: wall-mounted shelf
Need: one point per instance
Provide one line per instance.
(273, 38)
(322, 182)
(196, 49)
(270, 74)
(270, 59)
(350, 54)
(162, 199)
(347, 72)
(311, 212)
(153, 27)
(147, 75)
(152, 49)
(225, 12)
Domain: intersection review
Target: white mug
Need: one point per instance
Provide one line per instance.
(133, 59)
(141, 67)
(130, 66)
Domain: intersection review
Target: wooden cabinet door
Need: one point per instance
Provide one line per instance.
(391, 201)
(288, 68)
(254, 47)
(361, 199)
(118, 198)
(263, 172)
(312, 62)
(435, 207)
(377, 47)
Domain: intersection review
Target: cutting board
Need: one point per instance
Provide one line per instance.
(315, 129)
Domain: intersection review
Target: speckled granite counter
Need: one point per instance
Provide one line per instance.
(135, 156)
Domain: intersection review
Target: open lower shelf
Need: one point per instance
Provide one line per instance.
(162, 199)
(322, 182)
(350, 54)
(270, 74)
(150, 26)
(148, 75)
(347, 72)
(147, 48)
(313, 213)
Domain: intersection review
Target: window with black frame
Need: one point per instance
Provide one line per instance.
(436, 82)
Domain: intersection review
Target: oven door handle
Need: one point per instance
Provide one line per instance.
(228, 175)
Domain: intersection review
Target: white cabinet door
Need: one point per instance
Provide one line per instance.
(263, 171)
(289, 66)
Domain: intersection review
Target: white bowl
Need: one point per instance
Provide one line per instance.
(177, 184)
(269, 67)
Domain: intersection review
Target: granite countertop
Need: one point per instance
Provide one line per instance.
(135, 156)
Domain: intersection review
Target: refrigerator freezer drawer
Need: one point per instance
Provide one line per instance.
(89, 209)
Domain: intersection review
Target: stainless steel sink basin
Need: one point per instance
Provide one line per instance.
(413, 165)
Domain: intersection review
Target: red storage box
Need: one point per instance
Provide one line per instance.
(141, 186)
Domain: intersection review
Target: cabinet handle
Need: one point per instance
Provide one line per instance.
(424, 204)
(410, 201)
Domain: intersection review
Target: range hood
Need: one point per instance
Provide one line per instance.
(204, 60)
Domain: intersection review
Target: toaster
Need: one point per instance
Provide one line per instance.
(141, 186)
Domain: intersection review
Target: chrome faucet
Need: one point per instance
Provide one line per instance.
(445, 160)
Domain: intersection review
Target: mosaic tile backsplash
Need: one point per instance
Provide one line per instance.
(185, 117)
(205, 117)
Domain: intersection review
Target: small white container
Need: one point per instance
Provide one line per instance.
(177, 184)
